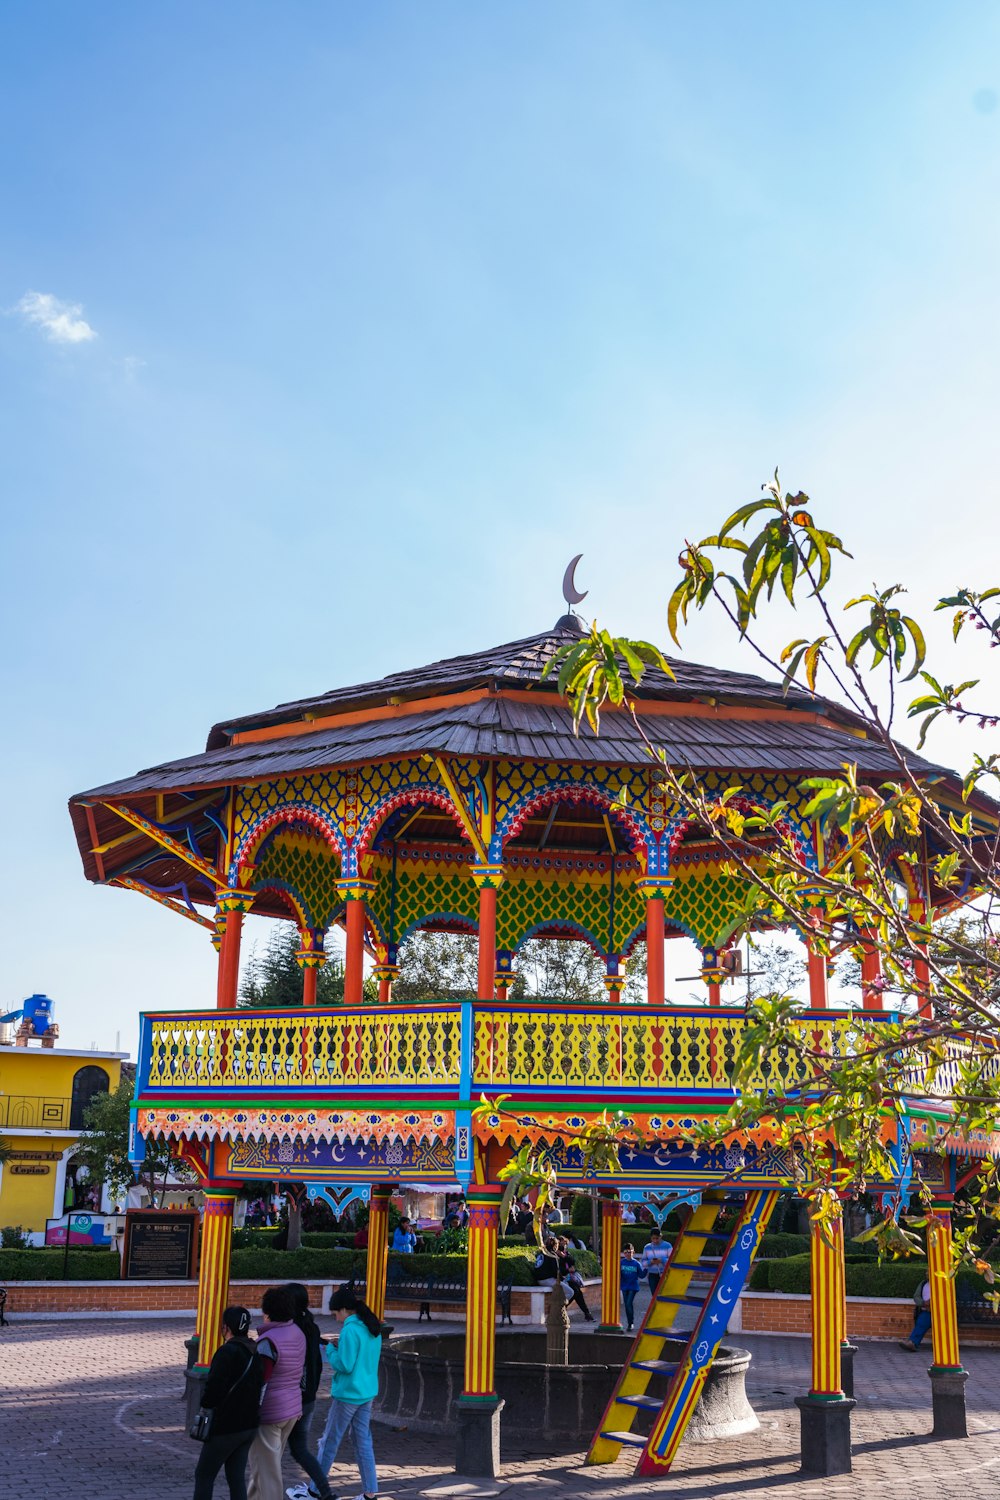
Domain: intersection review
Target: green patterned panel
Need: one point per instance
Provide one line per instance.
(309, 867)
(705, 902)
(580, 903)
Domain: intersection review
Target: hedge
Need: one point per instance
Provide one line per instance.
(865, 1277)
(336, 1265)
(47, 1265)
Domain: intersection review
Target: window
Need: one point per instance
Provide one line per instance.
(87, 1084)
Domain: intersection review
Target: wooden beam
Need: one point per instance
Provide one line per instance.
(548, 824)
(126, 883)
(165, 841)
(463, 812)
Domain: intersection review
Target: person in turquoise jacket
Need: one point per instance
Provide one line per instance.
(354, 1361)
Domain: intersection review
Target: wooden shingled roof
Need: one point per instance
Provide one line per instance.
(495, 704)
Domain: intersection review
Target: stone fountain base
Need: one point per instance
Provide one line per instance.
(552, 1404)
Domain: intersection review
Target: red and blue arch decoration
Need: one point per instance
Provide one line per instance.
(293, 839)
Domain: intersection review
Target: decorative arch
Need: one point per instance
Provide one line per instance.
(423, 794)
(642, 840)
(745, 803)
(572, 930)
(298, 908)
(635, 937)
(454, 919)
(292, 814)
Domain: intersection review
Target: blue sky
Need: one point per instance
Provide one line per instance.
(351, 323)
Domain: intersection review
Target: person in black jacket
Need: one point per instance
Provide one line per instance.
(232, 1393)
(298, 1440)
(571, 1279)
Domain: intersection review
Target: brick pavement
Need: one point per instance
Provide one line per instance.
(90, 1410)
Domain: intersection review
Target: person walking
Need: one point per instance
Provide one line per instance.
(232, 1394)
(921, 1318)
(312, 1372)
(281, 1345)
(631, 1274)
(654, 1259)
(354, 1361)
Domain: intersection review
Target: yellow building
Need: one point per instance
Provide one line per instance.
(44, 1091)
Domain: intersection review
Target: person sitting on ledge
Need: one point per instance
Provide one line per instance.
(404, 1241)
(921, 1319)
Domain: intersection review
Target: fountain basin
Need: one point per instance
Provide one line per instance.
(555, 1404)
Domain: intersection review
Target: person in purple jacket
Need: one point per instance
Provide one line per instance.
(281, 1345)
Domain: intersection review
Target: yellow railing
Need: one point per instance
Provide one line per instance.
(391, 1048)
(516, 1048)
(632, 1048)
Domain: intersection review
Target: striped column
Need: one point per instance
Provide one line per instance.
(213, 1273)
(944, 1311)
(841, 1267)
(481, 1293)
(826, 1255)
(378, 1248)
(611, 1262)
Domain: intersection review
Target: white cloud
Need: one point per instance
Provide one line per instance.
(61, 322)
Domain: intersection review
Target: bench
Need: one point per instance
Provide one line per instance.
(974, 1310)
(424, 1290)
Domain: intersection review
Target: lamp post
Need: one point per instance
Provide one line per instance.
(69, 1227)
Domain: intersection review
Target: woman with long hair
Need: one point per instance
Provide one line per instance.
(298, 1441)
(281, 1346)
(354, 1362)
(232, 1395)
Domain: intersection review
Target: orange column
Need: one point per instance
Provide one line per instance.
(921, 967)
(311, 957)
(488, 878)
(712, 974)
(871, 969)
(611, 1265)
(378, 1248)
(655, 892)
(385, 976)
(230, 908)
(354, 892)
(213, 1272)
(819, 982)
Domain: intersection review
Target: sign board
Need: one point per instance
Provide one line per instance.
(87, 1230)
(160, 1244)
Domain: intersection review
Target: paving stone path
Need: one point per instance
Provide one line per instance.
(94, 1411)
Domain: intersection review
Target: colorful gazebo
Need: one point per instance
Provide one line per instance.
(458, 798)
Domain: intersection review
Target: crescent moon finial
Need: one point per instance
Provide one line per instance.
(571, 593)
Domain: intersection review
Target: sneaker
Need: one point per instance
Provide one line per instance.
(304, 1492)
(910, 1348)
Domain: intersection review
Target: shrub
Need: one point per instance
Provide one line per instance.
(579, 1210)
(864, 1276)
(779, 1246)
(13, 1237)
(47, 1265)
(336, 1265)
